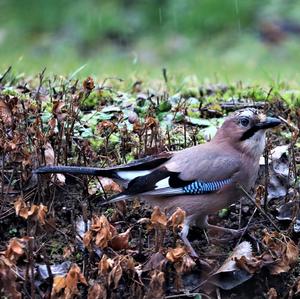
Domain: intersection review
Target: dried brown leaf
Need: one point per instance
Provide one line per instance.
(8, 285)
(156, 286)
(88, 84)
(87, 238)
(177, 219)
(49, 154)
(115, 275)
(150, 122)
(158, 218)
(97, 291)
(34, 212)
(156, 262)
(15, 249)
(120, 241)
(127, 263)
(21, 208)
(104, 231)
(52, 123)
(109, 185)
(59, 283)
(187, 264)
(67, 251)
(176, 254)
(38, 213)
(284, 252)
(5, 113)
(292, 252)
(105, 265)
(272, 294)
(73, 278)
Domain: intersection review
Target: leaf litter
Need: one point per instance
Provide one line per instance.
(57, 238)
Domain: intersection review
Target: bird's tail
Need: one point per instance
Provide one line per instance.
(163, 192)
(76, 170)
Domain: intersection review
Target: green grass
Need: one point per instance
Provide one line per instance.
(245, 58)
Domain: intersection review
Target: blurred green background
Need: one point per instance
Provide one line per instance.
(211, 39)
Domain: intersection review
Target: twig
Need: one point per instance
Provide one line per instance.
(187, 294)
(240, 213)
(291, 126)
(50, 274)
(31, 267)
(236, 105)
(247, 226)
(258, 207)
(267, 175)
(2, 181)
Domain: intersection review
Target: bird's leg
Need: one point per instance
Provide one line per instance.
(183, 235)
(224, 233)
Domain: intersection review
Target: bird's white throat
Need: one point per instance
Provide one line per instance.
(255, 145)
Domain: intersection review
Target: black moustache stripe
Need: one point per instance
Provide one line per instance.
(249, 133)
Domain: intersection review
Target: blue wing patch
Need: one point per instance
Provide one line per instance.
(199, 187)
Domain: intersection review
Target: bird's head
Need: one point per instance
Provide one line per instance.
(245, 129)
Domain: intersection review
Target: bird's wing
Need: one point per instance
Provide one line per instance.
(205, 162)
(187, 172)
(123, 173)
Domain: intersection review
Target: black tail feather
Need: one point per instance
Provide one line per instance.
(110, 173)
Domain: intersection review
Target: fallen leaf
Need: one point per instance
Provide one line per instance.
(229, 275)
(156, 286)
(105, 265)
(97, 291)
(49, 154)
(67, 251)
(59, 283)
(88, 84)
(284, 251)
(35, 212)
(187, 264)
(87, 239)
(120, 241)
(102, 230)
(21, 208)
(109, 185)
(15, 249)
(38, 213)
(8, 284)
(272, 294)
(177, 219)
(176, 254)
(57, 110)
(115, 275)
(150, 122)
(158, 218)
(73, 278)
(5, 113)
(156, 262)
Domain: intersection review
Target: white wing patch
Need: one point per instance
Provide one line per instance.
(130, 175)
(164, 183)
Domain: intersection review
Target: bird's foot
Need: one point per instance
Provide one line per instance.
(189, 246)
(221, 235)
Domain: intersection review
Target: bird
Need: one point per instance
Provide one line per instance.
(201, 180)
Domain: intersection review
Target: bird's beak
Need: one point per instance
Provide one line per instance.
(269, 122)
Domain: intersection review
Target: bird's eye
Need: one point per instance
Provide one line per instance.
(244, 121)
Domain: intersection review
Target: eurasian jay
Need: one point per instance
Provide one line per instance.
(200, 180)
